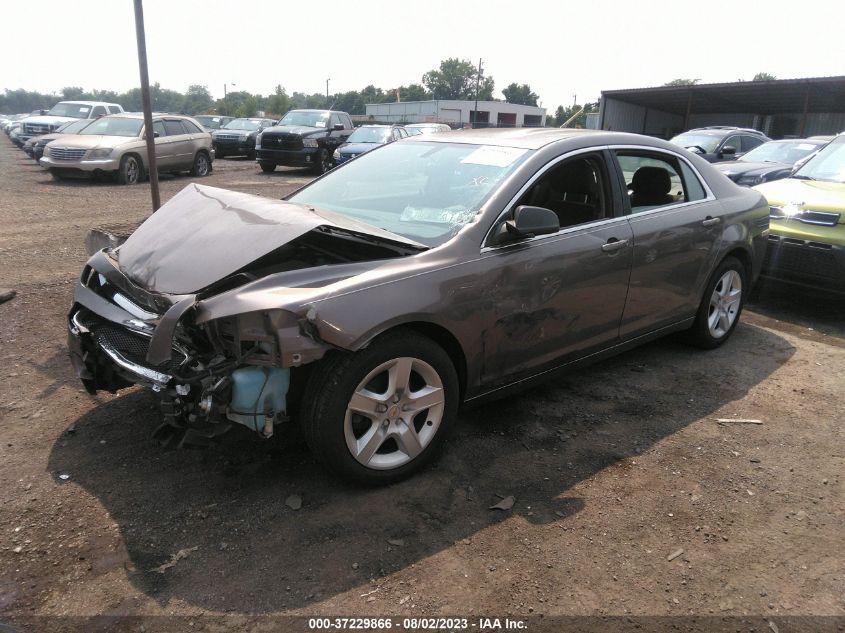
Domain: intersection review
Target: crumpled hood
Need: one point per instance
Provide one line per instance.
(204, 234)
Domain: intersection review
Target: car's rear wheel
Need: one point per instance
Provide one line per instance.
(267, 167)
(202, 165)
(323, 162)
(721, 305)
(130, 171)
(382, 413)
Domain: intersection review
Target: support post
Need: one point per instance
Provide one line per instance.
(152, 163)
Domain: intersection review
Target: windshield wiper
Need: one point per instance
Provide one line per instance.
(801, 177)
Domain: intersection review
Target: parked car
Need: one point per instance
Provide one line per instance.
(116, 145)
(443, 269)
(68, 129)
(237, 137)
(212, 122)
(427, 128)
(303, 138)
(365, 138)
(717, 143)
(770, 161)
(807, 235)
(64, 112)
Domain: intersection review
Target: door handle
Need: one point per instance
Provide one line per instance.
(708, 221)
(613, 245)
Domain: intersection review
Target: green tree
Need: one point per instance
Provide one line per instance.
(456, 79)
(520, 94)
(278, 102)
(197, 100)
(73, 93)
(763, 77)
(562, 115)
(414, 92)
(682, 82)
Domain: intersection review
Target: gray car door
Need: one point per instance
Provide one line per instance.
(676, 225)
(164, 146)
(560, 296)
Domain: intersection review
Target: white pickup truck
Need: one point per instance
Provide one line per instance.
(63, 112)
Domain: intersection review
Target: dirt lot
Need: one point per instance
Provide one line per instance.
(613, 469)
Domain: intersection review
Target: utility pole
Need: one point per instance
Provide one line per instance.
(149, 135)
(327, 92)
(574, 100)
(225, 98)
(477, 83)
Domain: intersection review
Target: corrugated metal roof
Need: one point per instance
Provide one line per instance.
(821, 94)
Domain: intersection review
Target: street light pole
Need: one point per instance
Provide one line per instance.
(327, 92)
(152, 163)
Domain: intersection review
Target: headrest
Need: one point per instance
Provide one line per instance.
(651, 180)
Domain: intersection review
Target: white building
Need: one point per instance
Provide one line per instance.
(457, 113)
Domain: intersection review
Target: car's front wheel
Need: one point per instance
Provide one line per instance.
(267, 167)
(324, 161)
(721, 305)
(382, 413)
(130, 171)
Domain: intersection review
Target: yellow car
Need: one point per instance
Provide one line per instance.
(807, 222)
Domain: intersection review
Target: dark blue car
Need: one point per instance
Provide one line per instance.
(365, 138)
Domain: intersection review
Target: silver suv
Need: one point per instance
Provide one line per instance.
(116, 145)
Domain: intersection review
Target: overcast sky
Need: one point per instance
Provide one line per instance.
(559, 48)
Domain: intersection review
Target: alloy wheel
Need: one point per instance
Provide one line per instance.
(394, 413)
(724, 304)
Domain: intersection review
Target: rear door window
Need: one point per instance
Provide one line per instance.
(750, 142)
(653, 180)
(173, 127)
(158, 128)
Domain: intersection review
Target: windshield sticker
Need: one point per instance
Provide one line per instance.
(453, 216)
(806, 146)
(320, 124)
(494, 156)
(84, 109)
(216, 118)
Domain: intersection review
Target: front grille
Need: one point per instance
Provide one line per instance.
(35, 128)
(807, 216)
(66, 153)
(228, 138)
(289, 142)
(133, 347)
(800, 257)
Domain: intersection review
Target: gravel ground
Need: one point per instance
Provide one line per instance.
(614, 470)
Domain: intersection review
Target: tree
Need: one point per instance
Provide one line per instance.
(278, 102)
(414, 92)
(682, 82)
(197, 100)
(456, 79)
(562, 115)
(763, 77)
(520, 94)
(73, 93)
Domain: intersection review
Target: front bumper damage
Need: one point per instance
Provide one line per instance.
(208, 373)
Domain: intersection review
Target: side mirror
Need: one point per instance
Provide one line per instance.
(338, 127)
(527, 222)
(728, 150)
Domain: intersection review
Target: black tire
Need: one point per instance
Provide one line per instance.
(201, 166)
(56, 175)
(324, 406)
(219, 154)
(701, 333)
(250, 155)
(131, 170)
(267, 167)
(324, 161)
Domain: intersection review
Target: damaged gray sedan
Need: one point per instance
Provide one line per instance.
(431, 272)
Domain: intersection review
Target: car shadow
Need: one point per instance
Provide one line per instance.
(221, 515)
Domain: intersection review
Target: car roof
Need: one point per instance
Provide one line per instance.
(525, 138)
(91, 103)
(140, 115)
(722, 130)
